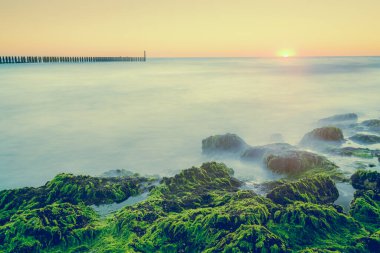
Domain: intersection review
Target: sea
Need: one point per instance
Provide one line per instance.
(150, 117)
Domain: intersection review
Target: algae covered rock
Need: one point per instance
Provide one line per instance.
(332, 135)
(37, 229)
(356, 152)
(366, 180)
(309, 225)
(366, 208)
(365, 138)
(318, 189)
(230, 143)
(340, 118)
(295, 162)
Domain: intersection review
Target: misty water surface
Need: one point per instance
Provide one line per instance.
(151, 117)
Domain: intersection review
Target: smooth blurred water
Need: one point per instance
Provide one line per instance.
(151, 117)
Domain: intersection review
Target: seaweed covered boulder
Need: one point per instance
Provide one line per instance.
(366, 204)
(37, 229)
(366, 180)
(71, 189)
(309, 225)
(365, 138)
(226, 143)
(251, 238)
(295, 163)
(211, 229)
(339, 119)
(324, 135)
(356, 152)
(318, 189)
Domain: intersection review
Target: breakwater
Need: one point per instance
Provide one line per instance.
(70, 59)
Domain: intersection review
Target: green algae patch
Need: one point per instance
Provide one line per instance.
(304, 225)
(318, 189)
(71, 189)
(34, 230)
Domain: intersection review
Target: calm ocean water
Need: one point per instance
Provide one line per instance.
(151, 117)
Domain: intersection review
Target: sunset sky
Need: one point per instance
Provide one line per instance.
(191, 28)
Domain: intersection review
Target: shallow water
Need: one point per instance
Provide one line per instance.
(151, 117)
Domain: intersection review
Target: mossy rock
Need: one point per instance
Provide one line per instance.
(197, 230)
(250, 238)
(230, 143)
(366, 180)
(295, 162)
(355, 152)
(331, 135)
(71, 189)
(306, 225)
(318, 189)
(37, 229)
(366, 208)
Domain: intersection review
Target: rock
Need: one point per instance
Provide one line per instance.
(340, 118)
(365, 139)
(330, 135)
(366, 208)
(258, 153)
(372, 124)
(306, 224)
(319, 190)
(357, 152)
(366, 180)
(227, 143)
(37, 229)
(293, 162)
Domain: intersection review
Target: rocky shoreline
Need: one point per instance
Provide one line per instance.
(206, 208)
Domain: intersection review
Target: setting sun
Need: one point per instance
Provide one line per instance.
(285, 53)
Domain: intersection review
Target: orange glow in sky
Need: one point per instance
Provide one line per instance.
(196, 28)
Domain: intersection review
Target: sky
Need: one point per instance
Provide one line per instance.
(190, 28)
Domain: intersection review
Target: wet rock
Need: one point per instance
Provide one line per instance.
(230, 143)
(372, 124)
(366, 180)
(366, 208)
(258, 153)
(293, 162)
(319, 190)
(37, 229)
(356, 152)
(365, 139)
(340, 118)
(331, 135)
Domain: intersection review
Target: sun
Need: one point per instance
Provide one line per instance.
(286, 53)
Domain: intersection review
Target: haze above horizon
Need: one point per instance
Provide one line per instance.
(198, 28)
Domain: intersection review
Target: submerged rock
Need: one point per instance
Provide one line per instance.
(319, 190)
(230, 143)
(365, 138)
(331, 135)
(340, 118)
(372, 124)
(259, 153)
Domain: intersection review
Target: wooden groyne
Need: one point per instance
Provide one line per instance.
(61, 59)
